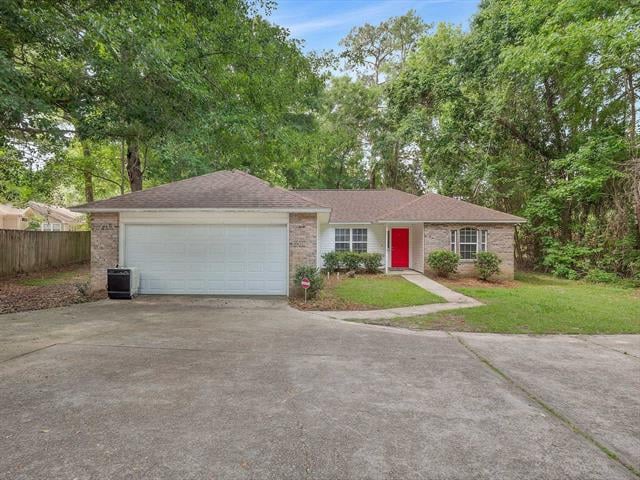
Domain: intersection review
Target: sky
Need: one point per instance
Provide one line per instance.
(322, 23)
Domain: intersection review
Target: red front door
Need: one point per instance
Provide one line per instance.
(399, 248)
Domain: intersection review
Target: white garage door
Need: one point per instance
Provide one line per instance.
(208, 259)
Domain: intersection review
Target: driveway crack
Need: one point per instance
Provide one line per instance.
(548, 408)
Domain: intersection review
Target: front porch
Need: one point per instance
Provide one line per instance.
(404, 248)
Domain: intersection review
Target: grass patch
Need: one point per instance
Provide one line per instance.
(370, 292)
(538, 304)
(55, 278)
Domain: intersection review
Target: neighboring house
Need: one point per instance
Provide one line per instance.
(231, 233)
(12, 218)
(53, 218)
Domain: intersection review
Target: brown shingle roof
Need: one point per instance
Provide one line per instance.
(358, 205)
(434, 208)
(224, 189)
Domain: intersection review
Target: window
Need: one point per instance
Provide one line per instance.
(343, 238)
(467, 242)
(51, 227)
(359, 240)
(350, 239)
(454, 241)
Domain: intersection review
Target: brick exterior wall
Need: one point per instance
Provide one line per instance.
(500, 242)
(303, 245)
(104, 247)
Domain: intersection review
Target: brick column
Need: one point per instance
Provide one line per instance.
(303, 244)
(104, 247)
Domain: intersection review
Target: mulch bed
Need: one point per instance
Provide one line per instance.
(15, 297)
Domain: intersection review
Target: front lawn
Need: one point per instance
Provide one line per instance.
(366, 292)
(537, 304)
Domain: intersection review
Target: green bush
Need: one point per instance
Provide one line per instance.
(597, 275)
(568, 260)
(350, 260)
(315, 277)
(331, 261)
(372, 262)
(487, 264)
(443, 262)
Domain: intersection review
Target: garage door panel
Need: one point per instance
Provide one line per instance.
(208, 259)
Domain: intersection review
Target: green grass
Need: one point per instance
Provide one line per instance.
(540, 304)
(380, 292)
(57, 278)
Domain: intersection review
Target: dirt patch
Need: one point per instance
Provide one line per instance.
(46, 289)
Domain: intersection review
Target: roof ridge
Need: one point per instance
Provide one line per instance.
(405, 205)
(297, 195)
(472, 204)
(128, 194)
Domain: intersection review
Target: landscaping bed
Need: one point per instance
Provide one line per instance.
(535, 304)
(46, 289)
(367, 292)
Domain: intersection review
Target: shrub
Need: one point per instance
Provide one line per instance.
(350, 260)
(371, 262)
(443, 262)
(331, 261)
(314, 276)
(487, 264)
(597, 275)
(567, 260)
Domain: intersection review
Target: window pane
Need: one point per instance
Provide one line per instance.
(342, 247)
(468, 235)
(484, 234)
(454, 234)
(342, 235)
(359, 235)
(468, 251)
(359, 247)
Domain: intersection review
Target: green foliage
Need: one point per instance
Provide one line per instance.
(597, 275)
(443, 262)
(331, 261)
(568, 260)
(371, 262)
(315, 277)
(487, 264)
(350, 260)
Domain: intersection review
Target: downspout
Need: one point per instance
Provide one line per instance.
(386, 248)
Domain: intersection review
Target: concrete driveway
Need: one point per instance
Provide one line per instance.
(189, 387)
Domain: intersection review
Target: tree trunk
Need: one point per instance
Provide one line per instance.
(134, 170)
(88, 176)
(634, 161)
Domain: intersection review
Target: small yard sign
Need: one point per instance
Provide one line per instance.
(305, 283)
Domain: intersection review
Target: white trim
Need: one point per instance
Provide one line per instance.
(165, 210)
(460, 222)
(386, 248)
(353, 223)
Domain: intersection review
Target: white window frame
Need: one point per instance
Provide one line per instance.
(351, 242)
(51, 227)
(342, 240)
(481, 243)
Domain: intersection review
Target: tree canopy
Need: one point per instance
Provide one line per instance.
(531, 110)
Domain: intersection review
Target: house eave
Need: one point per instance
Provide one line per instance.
(160, 210)
(494, 222)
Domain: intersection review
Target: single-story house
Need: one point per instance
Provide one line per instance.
(54, 218)
(229, 232)
(12, 218)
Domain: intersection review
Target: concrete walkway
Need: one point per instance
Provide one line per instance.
(454, 300)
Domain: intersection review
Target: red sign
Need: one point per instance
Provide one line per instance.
(305, 283)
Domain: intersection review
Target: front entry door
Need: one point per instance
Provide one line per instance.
(399, 248)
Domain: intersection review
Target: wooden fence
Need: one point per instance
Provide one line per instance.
(25, 251)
